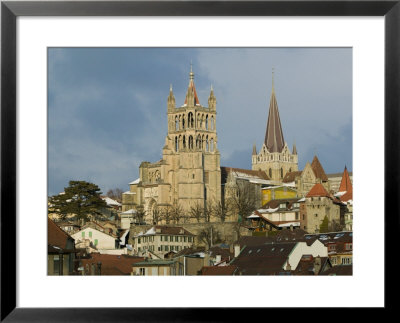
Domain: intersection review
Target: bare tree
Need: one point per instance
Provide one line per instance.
(209, 236)
(115, 194)
(140, 214)
(176, 212)
(156, 215)
(196, 211)
(166, 213)
(243, 200)
(221, 209)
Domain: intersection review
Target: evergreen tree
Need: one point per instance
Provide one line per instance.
(80, 198)
(324, 227)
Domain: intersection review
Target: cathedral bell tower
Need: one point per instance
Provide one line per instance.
(191, 149)
(274, 156)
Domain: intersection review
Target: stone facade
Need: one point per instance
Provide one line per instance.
(189, 171)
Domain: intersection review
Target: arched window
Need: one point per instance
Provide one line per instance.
(198, 121)
(184, 142)
(183, 122)
(270, 173)
(212, 123)
(198, 142)
(212, 144)
(290, 169)
(190, 120)
(176, 144)
(203, 144)
(190, 142)
(202, 121)
(206, 122)
(281, 172)
(207, 143)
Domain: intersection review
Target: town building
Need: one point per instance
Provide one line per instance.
(276, 215)
(107, 265)
(159, 240)
(275, 258)
(274, 157)
(93, 235)
(318, 205)
(60, 251)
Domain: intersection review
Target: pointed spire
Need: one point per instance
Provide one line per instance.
(254, 150)
(191, 94)
(274, 136)
(294, 151)
(346, 186)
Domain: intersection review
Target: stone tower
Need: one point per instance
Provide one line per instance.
(191, 149)
(189, 172)
(274, 156)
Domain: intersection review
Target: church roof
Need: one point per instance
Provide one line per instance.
(291, 176)
(318, 169)
(274, 136)
(242, 172)
(318, 190)
(346, 186)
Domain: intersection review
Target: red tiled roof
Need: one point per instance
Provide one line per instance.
(318, 190)
(172, 230)
(318, 169)
(346, 186)
(56, 236)
(112, 264)
(218, 270)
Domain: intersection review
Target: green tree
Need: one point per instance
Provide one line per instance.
(80, 198)
(324, 227)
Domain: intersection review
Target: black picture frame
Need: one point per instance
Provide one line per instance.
(10, 10)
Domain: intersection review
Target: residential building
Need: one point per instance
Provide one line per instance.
(275, 258)
(161, 239)
(155, 267)
(107, 265)
(276, 215)
(339, 244)
(60, 251)
(218, 270)
(96, 236)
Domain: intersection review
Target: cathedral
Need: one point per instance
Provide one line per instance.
(188, 173)
(274, 156)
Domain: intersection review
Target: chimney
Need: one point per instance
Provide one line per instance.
(237, 250)
(218, 259)
(291, 227)
(206, 261)
(288, 267)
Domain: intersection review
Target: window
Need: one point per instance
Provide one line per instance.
(83, 234)
(171, 238)
(184, 239)
(332, 247)
(166, 248)
(176, 239)
(348, 246)
(142, 271)
(139, 240)
(96, 242)
(346, 261)
(90, 234)
(56, 265)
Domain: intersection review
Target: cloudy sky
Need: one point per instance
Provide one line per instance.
(107, 106)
